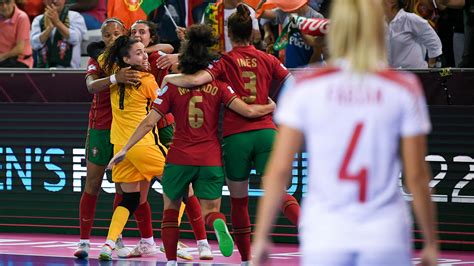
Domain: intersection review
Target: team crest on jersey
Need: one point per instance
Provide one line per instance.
(162, 91)
(91, 67)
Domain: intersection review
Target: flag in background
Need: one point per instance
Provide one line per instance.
(190, 5)
(130, 11)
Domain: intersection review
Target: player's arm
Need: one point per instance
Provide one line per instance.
(277, 175)
(189, 80)
(253, 110)
(124, 75)
(143, 128)
(417, 176)
(163, 47)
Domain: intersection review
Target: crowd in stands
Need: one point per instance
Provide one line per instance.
(49, 33)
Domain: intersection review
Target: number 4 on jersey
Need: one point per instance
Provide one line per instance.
(361, 176)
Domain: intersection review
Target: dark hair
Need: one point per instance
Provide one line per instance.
(240, 24)
(196, 52)
(112, 20)
(114, 54)
(153, 28)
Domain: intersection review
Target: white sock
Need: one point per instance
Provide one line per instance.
(87, 241)
(110, 243)
(149, 240)
(202, 242)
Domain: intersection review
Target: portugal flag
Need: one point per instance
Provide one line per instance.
(130, 11)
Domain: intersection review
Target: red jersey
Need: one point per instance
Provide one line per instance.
(159, 74)
(195, 141)
(100, 114)
(250, 72)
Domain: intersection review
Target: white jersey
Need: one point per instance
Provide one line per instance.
(352, 125)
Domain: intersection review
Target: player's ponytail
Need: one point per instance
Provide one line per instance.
(196, 52)
(357, 34)
(113, 55)
(240, 25)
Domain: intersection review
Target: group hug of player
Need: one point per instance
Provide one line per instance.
(137, 108)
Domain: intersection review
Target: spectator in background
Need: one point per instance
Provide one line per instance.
(300, 50)
(57, 36)
(93, 11)
(409, 37)
(15, 48)
(32, 8)
(222, 10)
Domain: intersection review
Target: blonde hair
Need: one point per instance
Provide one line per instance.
(357, 34)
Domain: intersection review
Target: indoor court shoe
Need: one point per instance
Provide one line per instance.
(144, 248)
(180, 251)
(105, 253)
(119, 243)
(82, 250)
(205, 252)
(226, 244)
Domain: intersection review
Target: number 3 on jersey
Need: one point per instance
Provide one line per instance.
(361, 176)
(195, 114)
(251, 86)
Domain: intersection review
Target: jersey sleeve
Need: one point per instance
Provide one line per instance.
(279, 71)
(93, 68)
(216, 69)
(162, 103)
(291, 109)
(227, 93)
(415, 116)
(150, 87)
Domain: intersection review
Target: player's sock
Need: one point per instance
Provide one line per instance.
(291, 209)
(119, 219)
(170, 233)
(241, 226)
(126, 207)
(193, 211)
(86, 214)
(143, 219)
(117, 199)
(181, 212)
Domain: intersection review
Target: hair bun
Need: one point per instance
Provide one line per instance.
(243, 11)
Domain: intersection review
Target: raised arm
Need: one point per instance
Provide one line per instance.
(417, 176)
(253, 110)
(191, 80)
(145, 126)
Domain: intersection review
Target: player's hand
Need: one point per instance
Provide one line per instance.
(181, 32)
(260, 252)
(429, 255)
(166, 61)
(127, 75)
(120, 156)
(164, 82)
(272, 103)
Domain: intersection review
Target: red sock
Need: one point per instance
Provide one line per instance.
(170, 232)
(291, 209)
(212, 216)
(143, 219)
(193, 211)
(118, 198)
(86, 214)
(241, 226)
